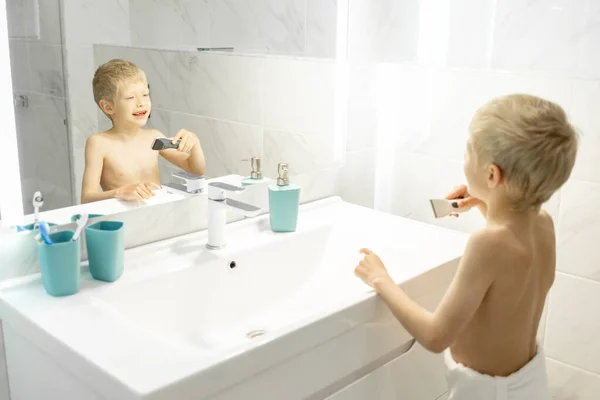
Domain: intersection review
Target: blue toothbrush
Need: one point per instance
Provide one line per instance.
(45, 232)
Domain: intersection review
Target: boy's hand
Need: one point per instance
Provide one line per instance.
(189, 140)
(137, 191)
(463, 198)
(371, 270)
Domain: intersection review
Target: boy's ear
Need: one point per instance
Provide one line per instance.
(106, 106)
(495, 176)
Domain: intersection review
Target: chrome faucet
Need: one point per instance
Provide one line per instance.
(218, 205)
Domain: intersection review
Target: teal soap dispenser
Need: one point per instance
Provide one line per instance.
(284, 201)
(256, 175)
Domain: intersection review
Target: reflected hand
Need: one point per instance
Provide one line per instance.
(137, 191)
(189, 140)
(371, 269)
(463, 199)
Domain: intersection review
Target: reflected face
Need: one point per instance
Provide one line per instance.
(132, 104)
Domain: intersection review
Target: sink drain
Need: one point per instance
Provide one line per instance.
(256, 333)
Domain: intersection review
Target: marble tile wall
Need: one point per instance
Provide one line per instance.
(284, 27)
(408, 119)
(36, 54)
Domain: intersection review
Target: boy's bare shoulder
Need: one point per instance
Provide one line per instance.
(496, 247)
(97, 141)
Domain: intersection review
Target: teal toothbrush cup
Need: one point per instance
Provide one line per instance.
(75, 218)
(105, 243)
(59, 264)
(30, 227)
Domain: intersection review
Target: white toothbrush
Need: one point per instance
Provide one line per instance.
(80, 224)
(38, 202)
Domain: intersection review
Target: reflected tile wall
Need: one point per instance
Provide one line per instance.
(169, 23)
(44, 154)
(226, 87)
(94, 22)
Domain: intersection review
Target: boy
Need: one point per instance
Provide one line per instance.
(521, 150)
(121, 160)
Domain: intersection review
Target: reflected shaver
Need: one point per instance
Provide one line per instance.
(164, 144)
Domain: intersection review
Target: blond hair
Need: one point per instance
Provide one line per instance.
(111, 75)
(532, 142)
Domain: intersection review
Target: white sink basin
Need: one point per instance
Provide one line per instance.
(217, 298)
(180, 320)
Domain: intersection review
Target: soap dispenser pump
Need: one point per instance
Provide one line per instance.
(256, 175)
(284, 201)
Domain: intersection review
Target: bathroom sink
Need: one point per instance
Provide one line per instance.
(184, 320)
(219, 299)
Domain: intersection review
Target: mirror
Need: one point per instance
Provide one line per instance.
(243, 78)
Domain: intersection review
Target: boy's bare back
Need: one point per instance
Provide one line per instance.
(126, 161)
(501, 337)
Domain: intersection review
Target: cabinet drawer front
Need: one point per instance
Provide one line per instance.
(415, 375)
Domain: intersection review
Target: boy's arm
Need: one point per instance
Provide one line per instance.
(193, 162)
(94, 162)
(438, 330)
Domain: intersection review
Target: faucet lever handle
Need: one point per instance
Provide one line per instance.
(216, 190)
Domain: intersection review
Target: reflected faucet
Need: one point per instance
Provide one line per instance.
(218, 205)
(185, 184)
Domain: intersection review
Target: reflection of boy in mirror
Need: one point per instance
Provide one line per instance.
(121, 160)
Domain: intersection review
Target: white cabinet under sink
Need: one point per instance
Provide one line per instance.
(415, 375)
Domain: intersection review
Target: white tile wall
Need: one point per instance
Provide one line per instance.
(299, 96)
(579, 230)
(358, 177)
(383, 30)
(536, 35)
(573, 325)
(470, 33)
(568, 382)
(362, 107)
(586, 97)
(303, 153)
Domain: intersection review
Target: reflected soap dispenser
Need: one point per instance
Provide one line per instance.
(284, 201)
(256, 175)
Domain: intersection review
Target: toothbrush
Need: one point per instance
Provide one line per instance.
(45, 232)
(38, 202)
(80, 224)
